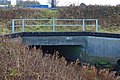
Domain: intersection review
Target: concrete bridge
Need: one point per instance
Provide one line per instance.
(87, 46)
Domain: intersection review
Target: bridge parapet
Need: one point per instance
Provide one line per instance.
(54, 23)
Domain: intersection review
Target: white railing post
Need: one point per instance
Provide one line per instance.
(13, 26)
(53, 25)
(96, 25)
(83, 25)
(23, 25)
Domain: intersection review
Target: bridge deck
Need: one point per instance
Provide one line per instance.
(95, 34)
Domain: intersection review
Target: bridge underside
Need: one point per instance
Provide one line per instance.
(87, 46)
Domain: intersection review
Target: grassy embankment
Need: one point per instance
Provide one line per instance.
(107, 21)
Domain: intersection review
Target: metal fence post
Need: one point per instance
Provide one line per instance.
(83, 25)
(53, 25)
(23, 25)
(96, 25)
(13, 26)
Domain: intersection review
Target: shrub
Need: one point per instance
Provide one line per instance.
(19, 62)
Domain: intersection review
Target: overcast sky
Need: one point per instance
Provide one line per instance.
(77, 2)
(100, 2)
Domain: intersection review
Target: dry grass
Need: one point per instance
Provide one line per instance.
(18, 62)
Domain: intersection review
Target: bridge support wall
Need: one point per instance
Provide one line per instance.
(88, 48)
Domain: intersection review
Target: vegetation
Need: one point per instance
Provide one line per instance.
(103, 64)
(18, 62)
(108, 16)
(6, 16)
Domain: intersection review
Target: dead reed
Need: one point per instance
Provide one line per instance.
(18, 62)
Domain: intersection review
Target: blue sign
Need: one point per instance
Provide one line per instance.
(36, 6)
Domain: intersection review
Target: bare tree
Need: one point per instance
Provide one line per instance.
(53, 3)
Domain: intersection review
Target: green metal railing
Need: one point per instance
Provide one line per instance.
(54, 23)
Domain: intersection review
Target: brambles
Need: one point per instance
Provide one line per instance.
(18, 62)
(103, 64)
(108, 16)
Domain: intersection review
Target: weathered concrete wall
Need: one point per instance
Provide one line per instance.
(69, 46)
(102, 47)
(55, 40)
(89, 48)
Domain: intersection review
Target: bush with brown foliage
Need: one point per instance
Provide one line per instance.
(108, 16)
(19, 62)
